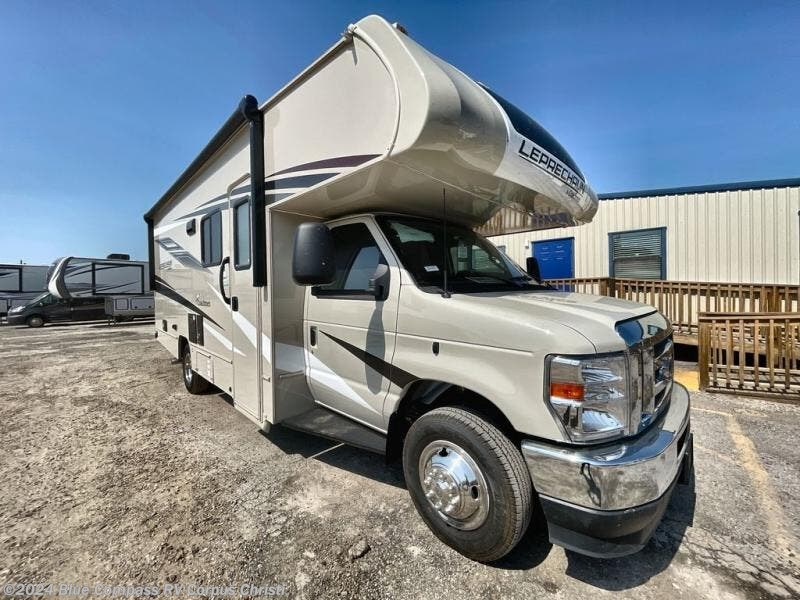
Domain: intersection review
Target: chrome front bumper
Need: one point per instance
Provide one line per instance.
(617, 476)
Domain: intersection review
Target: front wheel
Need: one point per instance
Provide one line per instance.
(193, 382)
(468, 482)
(35, 321)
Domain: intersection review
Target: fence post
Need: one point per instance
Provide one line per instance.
(703, 354)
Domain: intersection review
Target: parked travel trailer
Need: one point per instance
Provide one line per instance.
(320, 261)
(19, 284)
(127, 308)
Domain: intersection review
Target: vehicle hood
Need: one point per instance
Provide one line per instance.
(532, 321)
(594, 317)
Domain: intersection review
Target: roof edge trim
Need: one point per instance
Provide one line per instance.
(700, 189)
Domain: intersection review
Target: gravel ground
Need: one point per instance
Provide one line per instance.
(114, 474)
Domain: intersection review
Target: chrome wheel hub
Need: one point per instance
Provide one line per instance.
(187, 368)
(454, 485)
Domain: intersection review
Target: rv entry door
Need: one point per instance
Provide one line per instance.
(245, 306)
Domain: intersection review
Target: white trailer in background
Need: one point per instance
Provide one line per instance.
(19, 284)
(127, 308)
(319, 262)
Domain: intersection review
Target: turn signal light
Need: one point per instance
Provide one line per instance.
(566, 391)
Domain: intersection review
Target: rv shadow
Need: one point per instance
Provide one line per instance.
(65, 324)
(617, 574)
(124, 324)
(336, 454)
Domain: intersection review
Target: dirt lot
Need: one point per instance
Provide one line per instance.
(112, 473)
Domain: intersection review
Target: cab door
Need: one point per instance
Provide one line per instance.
(350, 325)
(245, 305)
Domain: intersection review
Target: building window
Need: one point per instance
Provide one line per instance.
(211, 239)
(640, 254)
(241, 235)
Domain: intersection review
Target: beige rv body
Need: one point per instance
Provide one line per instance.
(378, 125)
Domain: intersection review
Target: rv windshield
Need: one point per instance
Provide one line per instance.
(473, 263)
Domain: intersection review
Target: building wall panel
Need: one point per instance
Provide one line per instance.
(749, 236)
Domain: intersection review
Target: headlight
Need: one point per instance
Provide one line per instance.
(16, 309)
(590, 395)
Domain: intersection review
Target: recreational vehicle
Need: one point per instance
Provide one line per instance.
(115, 275)
(19, 284)
(78, 290)
(322, 261)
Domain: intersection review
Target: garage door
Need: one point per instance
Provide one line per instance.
(556, 260)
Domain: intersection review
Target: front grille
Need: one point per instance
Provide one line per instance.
(657, 368)
(650, 366)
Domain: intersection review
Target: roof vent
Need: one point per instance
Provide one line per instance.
(116, 256)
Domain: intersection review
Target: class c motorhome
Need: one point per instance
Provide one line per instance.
(20, 284)
(79, 289)
(322, 262)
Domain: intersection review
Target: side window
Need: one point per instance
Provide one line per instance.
(241, 235)
(473, 259)
(211, 239)
(9, 280)
(357, 259)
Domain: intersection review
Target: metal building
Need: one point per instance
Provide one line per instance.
(741, 232)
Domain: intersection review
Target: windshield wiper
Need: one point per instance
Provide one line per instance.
(469, 274)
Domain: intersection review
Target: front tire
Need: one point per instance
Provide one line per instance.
(193, 382)
(469, 482)
(35, 321)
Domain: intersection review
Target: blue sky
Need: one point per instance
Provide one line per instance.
(103, 104)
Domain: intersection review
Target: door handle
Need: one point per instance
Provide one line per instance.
(235, 303)
(225, 261)
(312, 336)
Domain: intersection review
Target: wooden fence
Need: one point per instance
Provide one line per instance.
(683, 301)
(750, 354)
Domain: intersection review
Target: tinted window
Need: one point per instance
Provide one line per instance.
(473, 263)
(211, 239)
(526, 126)
(34, 279)
(9, 280)
(44, 300)
(241, 235)
(357, 259)
(78, 276)
(118, 279)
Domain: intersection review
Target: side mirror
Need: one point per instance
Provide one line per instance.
(379, 282)
(532, 268)
(312, 257)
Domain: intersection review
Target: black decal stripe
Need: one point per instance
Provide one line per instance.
(300, 181)
(330, 163)
(395, 375)
(273, 198)
(163, 288)
(204, 211)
